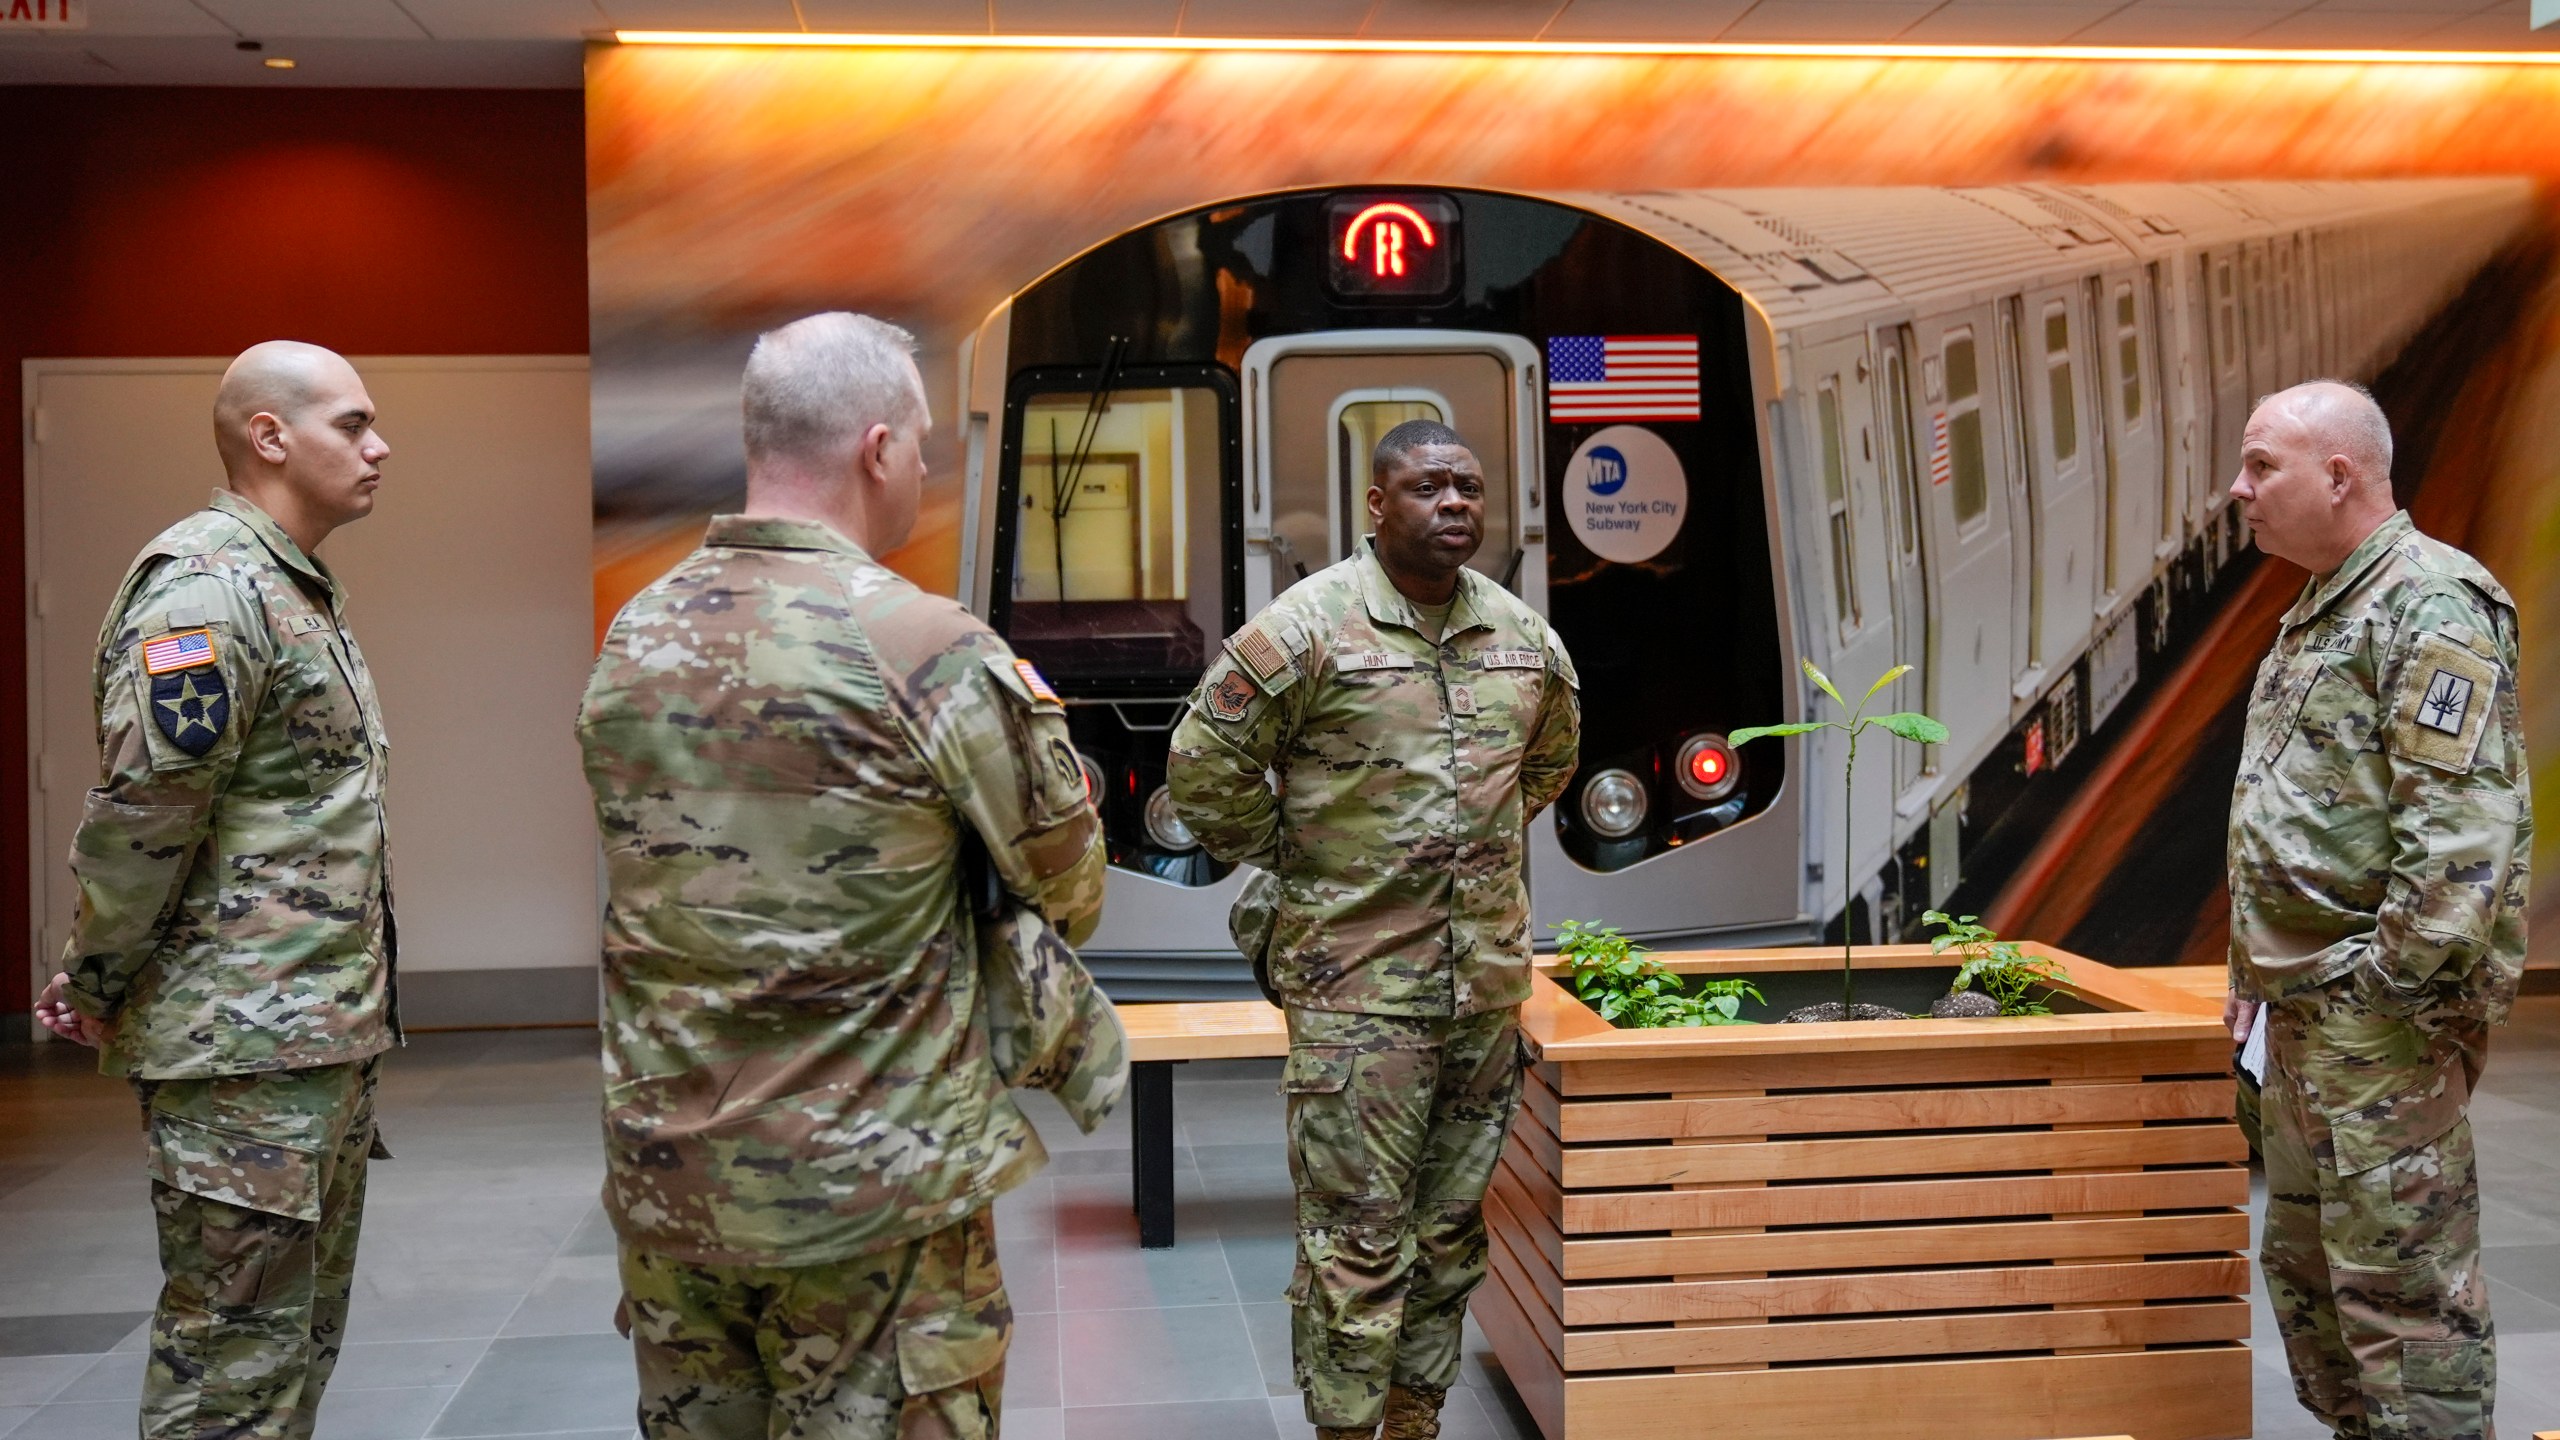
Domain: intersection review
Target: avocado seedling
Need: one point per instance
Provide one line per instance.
(2010, 978)
(1910, 725)
(1627, 986)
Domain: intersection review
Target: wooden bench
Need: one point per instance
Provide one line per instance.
(1161, 1037)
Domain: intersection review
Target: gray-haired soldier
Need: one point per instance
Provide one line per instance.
(788, 743)
(2380, 829)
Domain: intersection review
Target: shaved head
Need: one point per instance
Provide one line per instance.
(295, 428)
(283, 378)
(2339, 417)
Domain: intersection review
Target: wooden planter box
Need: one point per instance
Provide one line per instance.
(1995, 1229)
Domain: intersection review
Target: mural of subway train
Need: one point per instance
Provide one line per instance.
(1984, 432)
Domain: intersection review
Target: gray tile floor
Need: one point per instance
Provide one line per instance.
(486, 1289)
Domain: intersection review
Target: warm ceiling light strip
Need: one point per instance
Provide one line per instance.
(2226, 53)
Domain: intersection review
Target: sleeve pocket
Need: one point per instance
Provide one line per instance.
(215, 1164)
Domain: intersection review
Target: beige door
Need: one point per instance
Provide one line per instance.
(470, 591)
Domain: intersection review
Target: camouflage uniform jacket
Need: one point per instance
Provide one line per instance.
(786, 742)
(2381, 822)
(234, 877)
(1408, 772)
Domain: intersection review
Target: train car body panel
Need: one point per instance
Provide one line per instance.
(1977, 430)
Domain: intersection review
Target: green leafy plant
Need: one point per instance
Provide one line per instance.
(1629, 987)
(2009, 975)
(1910, 725)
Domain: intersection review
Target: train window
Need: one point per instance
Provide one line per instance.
(2128, 354)
(2225, 328)
(1116, 562)
(1897, 410)
(1835, 494)
(1964, 428)
(2057, 374)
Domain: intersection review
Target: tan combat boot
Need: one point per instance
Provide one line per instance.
(1413, 1412)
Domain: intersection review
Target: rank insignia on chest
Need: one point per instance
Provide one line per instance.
(1462, 700)
(191, 707)
(1230, 696)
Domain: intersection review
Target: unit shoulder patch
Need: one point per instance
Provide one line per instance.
(192, 707)
(1230, 696)
(179, 650)
(2446, 693)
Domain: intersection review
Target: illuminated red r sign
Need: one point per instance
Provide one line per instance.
(1386, 225)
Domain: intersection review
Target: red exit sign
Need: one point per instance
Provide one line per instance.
(44, 14)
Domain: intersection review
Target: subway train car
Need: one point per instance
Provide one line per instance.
(1983, 432)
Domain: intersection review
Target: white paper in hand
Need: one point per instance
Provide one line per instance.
(2253, 1053)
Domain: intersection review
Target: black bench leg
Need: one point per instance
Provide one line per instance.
(1151, 1151)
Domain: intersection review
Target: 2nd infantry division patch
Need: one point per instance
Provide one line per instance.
(2444, 703)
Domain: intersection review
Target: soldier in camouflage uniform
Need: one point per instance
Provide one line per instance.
(788, 745)
(1416, 716)
(2380, 830)
(233, 949)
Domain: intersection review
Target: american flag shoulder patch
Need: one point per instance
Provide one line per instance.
(1260, 652)
(1621, 377)
(1035, 682)
(185, 650)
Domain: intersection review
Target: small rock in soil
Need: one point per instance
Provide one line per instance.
(1833, 1010)
(1964, 1004)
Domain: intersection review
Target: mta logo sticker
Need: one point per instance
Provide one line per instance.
(191, 707)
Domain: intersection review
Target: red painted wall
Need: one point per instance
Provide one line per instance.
(143, 222)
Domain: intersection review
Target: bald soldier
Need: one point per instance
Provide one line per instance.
(1415, 716)
(2380, 829)
(232, 954)
(791, 748)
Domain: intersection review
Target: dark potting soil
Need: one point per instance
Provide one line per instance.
(1834, 1010)
(1963, 1005)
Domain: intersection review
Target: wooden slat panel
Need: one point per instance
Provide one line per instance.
(1626, 1166)
(1533, 1288)
(2117, 1060)
(1535, 1141)
(1882, 1201)
(1907, 1335)
(2200, 1394)
(1538, 1096)
(1537, 1187)
(1531, 1228)
(1607, 1120)
(1874, 1292)
(1904, 1245)
(1536, 1375)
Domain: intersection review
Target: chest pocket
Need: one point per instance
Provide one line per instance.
(321, 714)
(2334, 723)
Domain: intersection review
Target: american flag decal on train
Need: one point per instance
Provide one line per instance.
(1938, 469)
(183, 651)
(1622, 377)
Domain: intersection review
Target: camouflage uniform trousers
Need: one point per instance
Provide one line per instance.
(905, 1343)
(2372, 1238)
(1394, 1127)
(258, 1185)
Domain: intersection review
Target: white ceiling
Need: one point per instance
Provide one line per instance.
(535, 43)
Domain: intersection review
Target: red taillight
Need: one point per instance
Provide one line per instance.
(1709, 767)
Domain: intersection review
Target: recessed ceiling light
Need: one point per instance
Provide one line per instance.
(278, 62)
